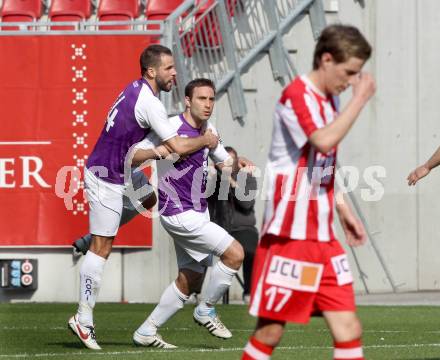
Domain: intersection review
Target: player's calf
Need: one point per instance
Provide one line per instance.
(269, 332)
(346, 330)
(266, 337)
(189, 281)
(102, 245)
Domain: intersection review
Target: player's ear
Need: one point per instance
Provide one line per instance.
(187, 101)
(151, 72)
(326, 58)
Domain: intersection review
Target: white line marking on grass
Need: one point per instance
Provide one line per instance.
(233, 330)
(285, 348)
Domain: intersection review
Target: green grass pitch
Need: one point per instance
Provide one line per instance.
(39, 331)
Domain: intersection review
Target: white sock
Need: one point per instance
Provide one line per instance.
(170, 302)
(90, 276)
(219, 281)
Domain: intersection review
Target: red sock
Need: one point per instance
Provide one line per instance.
(348, 350)
(256, 350)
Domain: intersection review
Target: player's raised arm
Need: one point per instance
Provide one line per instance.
(327, 137)
(423, 170)
(179, 145)
(159, 122)
(160, 75)
(185, 146)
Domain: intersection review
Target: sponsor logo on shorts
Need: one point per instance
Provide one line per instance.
(294, 274)
(342, 269)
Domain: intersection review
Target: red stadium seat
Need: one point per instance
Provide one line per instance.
(117, 10)
(115, 17)
(69, 10)
(207, 30)
(159, 10)
(20, 11)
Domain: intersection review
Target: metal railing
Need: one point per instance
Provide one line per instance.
(86, 27)
(221, 39)
(218, 39)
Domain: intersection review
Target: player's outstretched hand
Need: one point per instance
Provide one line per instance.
(417, 174)
(364, 86)
(353, 228)
(211, 139)
(162, 151)
(246, 165)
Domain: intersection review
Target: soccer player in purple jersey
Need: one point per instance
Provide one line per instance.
(136, 112)
(184, 215)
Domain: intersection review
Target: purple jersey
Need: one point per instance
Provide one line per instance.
(182, 184)
(135, 112)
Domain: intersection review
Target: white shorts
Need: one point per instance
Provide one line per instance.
(196, 239)
(107, 201)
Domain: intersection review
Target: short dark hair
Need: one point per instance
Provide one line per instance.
(151, 56)
(342, 42)
(231, 149)
(189, 88)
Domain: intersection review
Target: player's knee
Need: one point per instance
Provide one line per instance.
(355, 329)
(234, 255)
(350, 330)
(239, 252)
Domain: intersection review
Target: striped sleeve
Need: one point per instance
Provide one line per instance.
(300, 114)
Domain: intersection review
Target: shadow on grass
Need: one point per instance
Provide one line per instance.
(77, 345)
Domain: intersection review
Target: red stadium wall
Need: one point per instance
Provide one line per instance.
(55, 93)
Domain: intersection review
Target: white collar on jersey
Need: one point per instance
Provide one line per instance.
(309, 83)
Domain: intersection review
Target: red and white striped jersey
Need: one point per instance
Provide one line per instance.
(299, 184)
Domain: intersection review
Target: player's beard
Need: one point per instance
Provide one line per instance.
(163, 85)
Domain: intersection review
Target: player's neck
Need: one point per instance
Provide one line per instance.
(317, 79)
(153, 86)
(193, 121)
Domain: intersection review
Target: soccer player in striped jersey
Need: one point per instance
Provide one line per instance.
(300, 268)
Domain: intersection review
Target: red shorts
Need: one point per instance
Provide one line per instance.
(293, 279)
